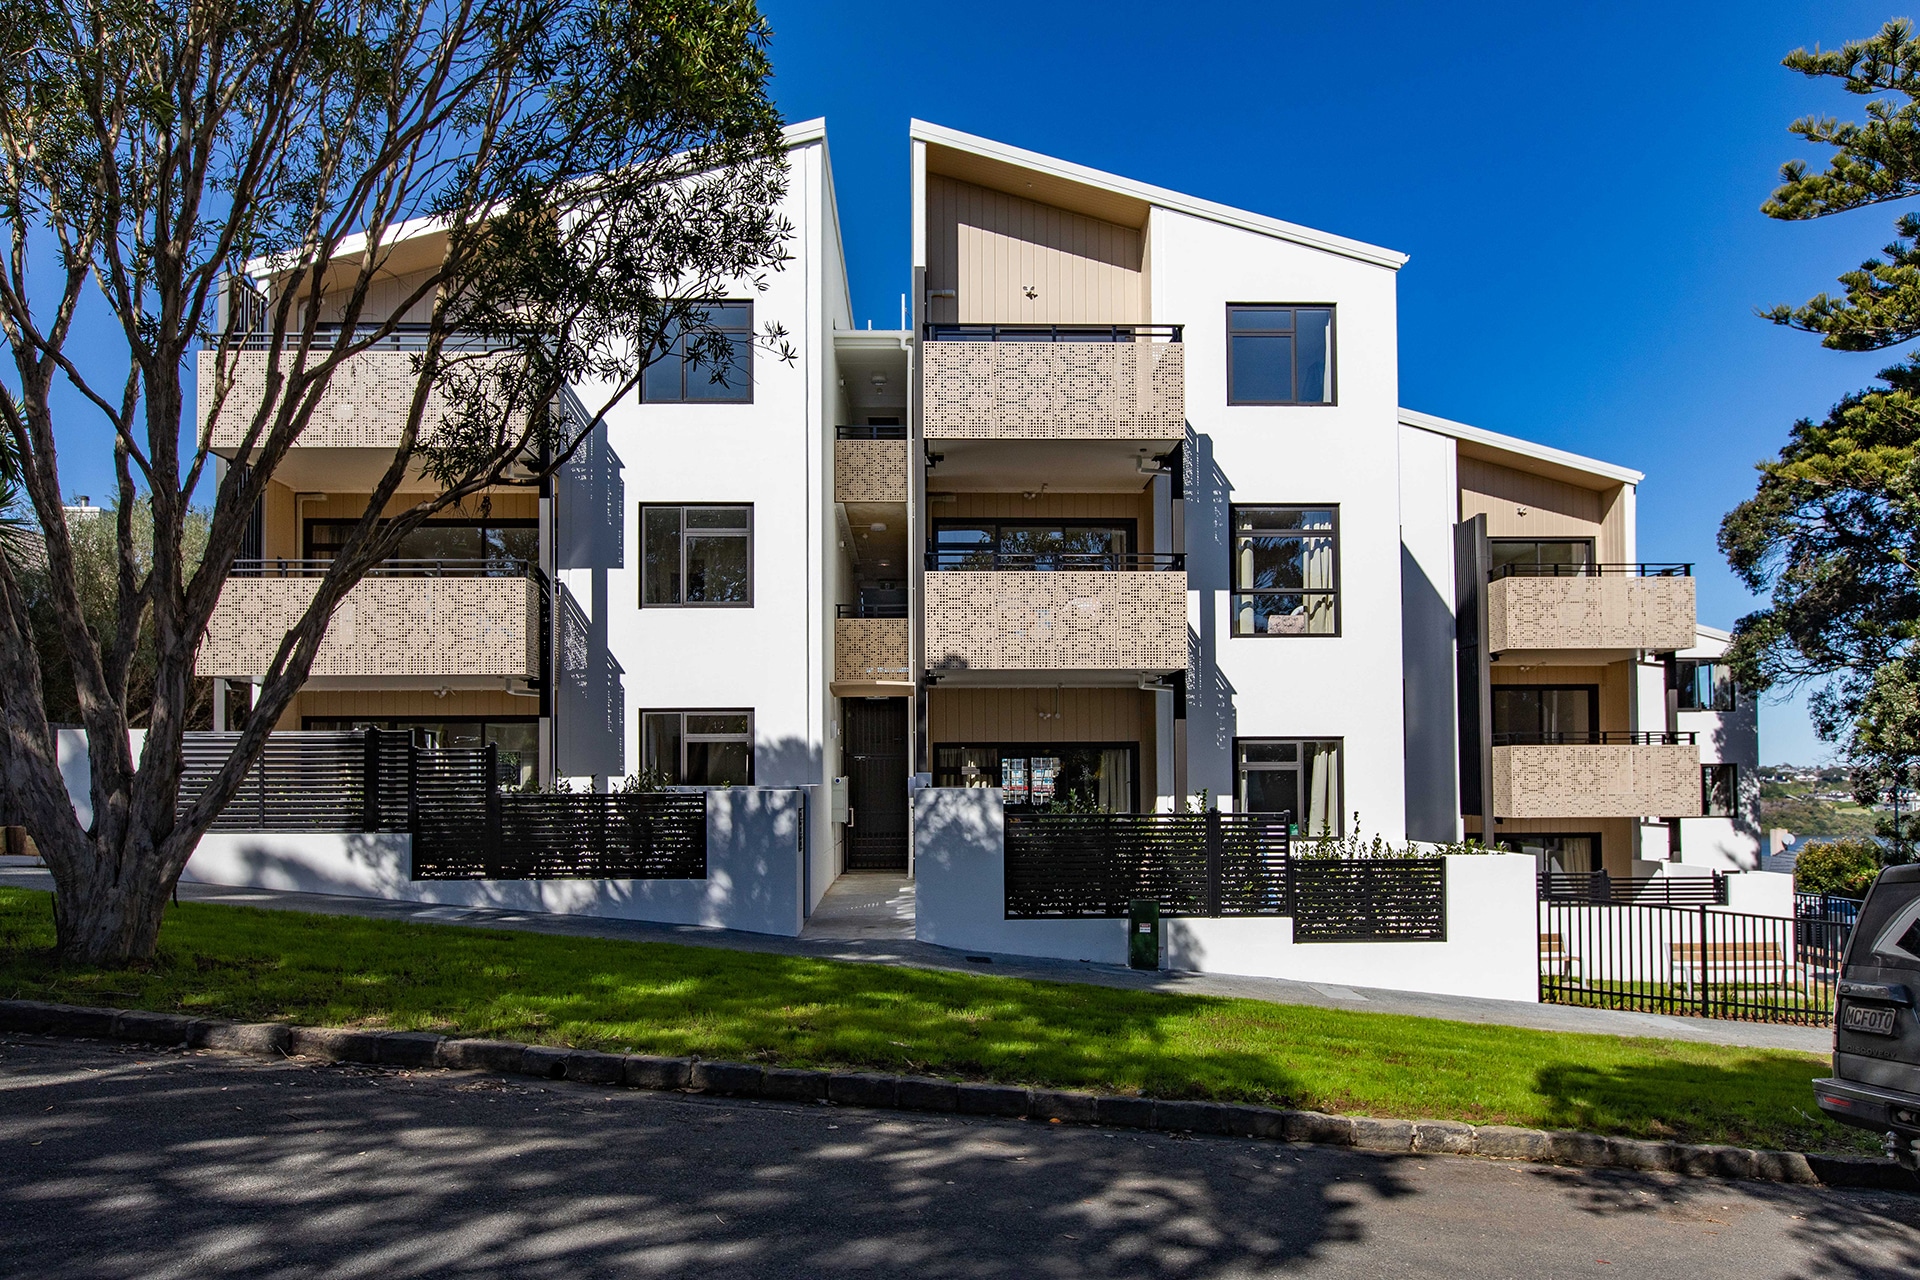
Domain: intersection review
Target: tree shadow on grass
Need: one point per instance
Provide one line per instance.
(1741, 1101)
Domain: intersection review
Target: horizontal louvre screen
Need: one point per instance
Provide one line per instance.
(1370, 900)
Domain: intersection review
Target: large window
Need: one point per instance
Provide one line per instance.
(507, 543)
(515, 738)
(698, 748)
(705, 371)
(1291, 775)
(1533, 714)
(1564, 555)
(1719, 790)
(1286, 571)
(1279, 354)
(1703, 685)
(1563, 854)
(696, 556)
(1032, 544)
(1083, 776)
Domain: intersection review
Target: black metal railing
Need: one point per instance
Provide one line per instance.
(1094, 865)
(864, 610)
(1826, 906)
(1598, 737)
(1590, 571)
(406, 336)
(871, 432)
(1699, 961)
(1605, 888)
(359, 780)
(939, 332)
(1099, 561)
(489, 567)
(1369, 900)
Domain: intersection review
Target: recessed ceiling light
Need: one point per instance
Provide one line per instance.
(878, 527)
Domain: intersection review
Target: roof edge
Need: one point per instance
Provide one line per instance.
(1514, 444)
(1179, 202)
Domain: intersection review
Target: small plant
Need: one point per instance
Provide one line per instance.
(1355, 848)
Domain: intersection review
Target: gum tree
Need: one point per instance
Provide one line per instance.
(587, 173)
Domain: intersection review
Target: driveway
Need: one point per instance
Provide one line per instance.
(118, 1161)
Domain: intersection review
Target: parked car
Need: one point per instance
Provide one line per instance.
(1876, 1026)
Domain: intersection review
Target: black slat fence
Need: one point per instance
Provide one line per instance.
(346, 781)
(1369, 900)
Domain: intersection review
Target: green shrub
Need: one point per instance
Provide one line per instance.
(1842, 867)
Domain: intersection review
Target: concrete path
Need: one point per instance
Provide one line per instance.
(876, 905)
(117, 1161)
(905, 951)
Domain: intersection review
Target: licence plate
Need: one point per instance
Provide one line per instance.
(1875, 1020)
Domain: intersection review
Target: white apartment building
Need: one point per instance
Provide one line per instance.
(1130, 514)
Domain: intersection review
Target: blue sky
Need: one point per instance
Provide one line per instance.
(1578, 186)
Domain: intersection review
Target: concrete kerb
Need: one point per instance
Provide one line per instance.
(415, 1049)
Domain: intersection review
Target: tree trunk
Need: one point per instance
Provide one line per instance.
(109, 913)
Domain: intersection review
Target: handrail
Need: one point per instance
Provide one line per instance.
(870, 611)
(1648, 570)
(407, 336)
(938, 332)
(1098, 561)
(870, 432)
(1598, 737)
(287, 567)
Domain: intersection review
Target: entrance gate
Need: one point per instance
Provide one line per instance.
(876, 745)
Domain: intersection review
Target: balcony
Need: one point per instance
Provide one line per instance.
(1095, 613)
(1054, 382)
(1620, 607)
(1596, 775)
(870, 464)
(870, 646)
(365, 405)
(409, 618)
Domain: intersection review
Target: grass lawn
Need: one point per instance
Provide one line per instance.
(254, 965)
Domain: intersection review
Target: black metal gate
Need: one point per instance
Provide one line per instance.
(876, 764)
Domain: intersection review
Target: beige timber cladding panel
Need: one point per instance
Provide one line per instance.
(1598, 781)
(870, 649)
(1054, 390)
(1519, 504)
(384, 627)
(1066, 621)
(1607, 612)
(364, 406)
(993, 250)
(869, 470)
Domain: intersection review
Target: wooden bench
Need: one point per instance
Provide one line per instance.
(1554, 956)
(1727, 960)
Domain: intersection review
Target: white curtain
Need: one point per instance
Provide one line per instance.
(1116, 780)
(1323, 797)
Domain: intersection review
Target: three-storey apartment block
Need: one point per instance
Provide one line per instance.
(1127, 516)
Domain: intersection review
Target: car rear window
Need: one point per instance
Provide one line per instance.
(1888, 934)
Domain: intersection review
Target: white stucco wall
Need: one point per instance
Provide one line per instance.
(1731, 737)
(1347, 454)
(753, 880)
(961, 899)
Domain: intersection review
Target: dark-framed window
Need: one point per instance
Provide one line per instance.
(1032, 544)
(1545, 713)
(683, 376)
(1279, 353)
(517, 738)
(1540, 551)
(1286, 571)
(1719, 790)
(494, 540)
(698, 748)
(1301, 776)
(696, 556)
(1087, 775)
(1561, 852)
(1704, 685)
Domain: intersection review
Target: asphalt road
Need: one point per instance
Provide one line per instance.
(124, 1161)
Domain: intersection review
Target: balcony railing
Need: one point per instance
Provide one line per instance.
(896, 610)
(1095, 618)
(497, 567)
(1636, 775)
(398, 337)
(1590, 571)
(1045, 562)
(1054, 332)
(871, 432)
(1597, 738)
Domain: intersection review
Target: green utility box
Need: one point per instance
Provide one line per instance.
(1143, 934)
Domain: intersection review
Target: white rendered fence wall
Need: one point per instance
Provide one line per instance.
(960, 895)
(754, 847)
